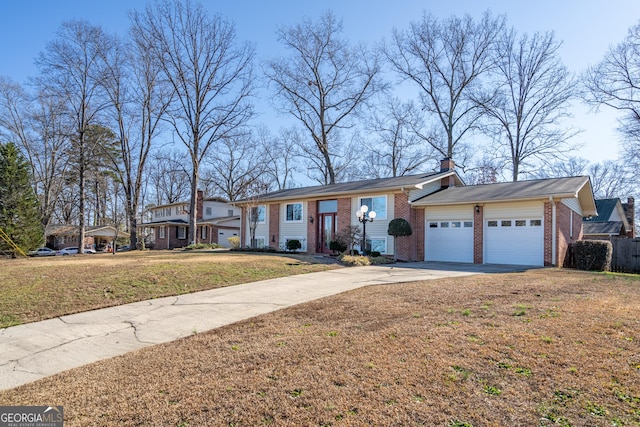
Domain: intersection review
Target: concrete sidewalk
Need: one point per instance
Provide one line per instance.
(36, 350)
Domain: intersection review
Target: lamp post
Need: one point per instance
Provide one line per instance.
(363, 217)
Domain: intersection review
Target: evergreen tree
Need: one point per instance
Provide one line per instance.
(20, 216)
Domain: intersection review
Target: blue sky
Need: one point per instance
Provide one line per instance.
(586, 28)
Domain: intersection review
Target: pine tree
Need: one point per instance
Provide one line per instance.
(20, 216)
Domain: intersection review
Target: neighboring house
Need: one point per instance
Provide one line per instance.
(524, 222)
(216, 221)
(98, 237)
(614, 219)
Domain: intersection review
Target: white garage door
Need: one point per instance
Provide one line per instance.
(223, 236)
(449, 240)
(514, 241)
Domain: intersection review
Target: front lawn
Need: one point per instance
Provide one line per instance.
(41, 288)
(543, 348)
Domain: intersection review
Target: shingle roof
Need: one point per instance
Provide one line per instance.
(511, 191)
(370, 185)
(610, 228)
(605, 209)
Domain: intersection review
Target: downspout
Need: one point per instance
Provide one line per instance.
(553, 232)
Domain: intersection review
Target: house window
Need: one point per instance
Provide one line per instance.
(203, 233)
(433, 225)
(535, 222)
(444, 224)
(505, 223)
(377, 204)
(230, 212)
(468, 224)
(377, 244)
(161, 232)
(208, 211)
(260, 242)
(492, 223)
(257, 214)
(293, 212)
(182, 232)
(327, 206)
(455, 224)
(521, 223)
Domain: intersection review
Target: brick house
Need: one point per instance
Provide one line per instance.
(216, 221)
(524, 222)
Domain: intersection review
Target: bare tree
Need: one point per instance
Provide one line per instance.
(168, 177)
(280, 153)
(235, 166)
(446, 59)
(71, 70)
(572, 166)
(39, 127)
(323, 84)
(210, 74)
(394, 150)
(615, 82)
(138, 101)
(531, 97)
(610, 179)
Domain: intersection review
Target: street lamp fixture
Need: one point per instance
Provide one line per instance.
(365, 216)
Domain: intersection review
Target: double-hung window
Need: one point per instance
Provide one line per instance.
(293, 212)
(377, 204)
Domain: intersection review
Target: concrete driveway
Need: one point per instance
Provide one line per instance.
(36, 350)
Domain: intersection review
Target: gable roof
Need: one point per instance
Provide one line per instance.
(605, 207)
(571, 187)
(358, 187)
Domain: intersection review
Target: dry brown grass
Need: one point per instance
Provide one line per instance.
(41, 288)
(545, 347)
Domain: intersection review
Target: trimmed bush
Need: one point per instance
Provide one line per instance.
(234, 242)
(337, 246)
(293, 245)
(593, 255)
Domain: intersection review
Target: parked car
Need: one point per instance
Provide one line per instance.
(42, 252)
(73, 250)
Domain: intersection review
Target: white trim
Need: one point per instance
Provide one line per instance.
(386, 205)
(292, 221)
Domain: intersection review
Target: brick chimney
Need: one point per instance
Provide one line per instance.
(199, 205)
(447, 165)
(630, 211)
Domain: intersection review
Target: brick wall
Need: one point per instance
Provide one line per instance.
(405, 246)
(199, 205)
(274, 226)
(548, 243)
(312, 234)
(478, 235)
(569, 230)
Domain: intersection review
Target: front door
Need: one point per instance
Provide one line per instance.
(327, 230)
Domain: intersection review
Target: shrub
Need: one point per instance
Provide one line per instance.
(293, 245)
(202, 246)
(354, 260)
(593, 255)
(234, 242)
(337, 246)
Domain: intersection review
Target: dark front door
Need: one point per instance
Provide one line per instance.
(327, 230)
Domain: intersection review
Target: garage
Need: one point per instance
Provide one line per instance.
(223, 236)
(449, 234)
(514, 234)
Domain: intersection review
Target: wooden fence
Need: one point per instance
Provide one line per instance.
(626, 255)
